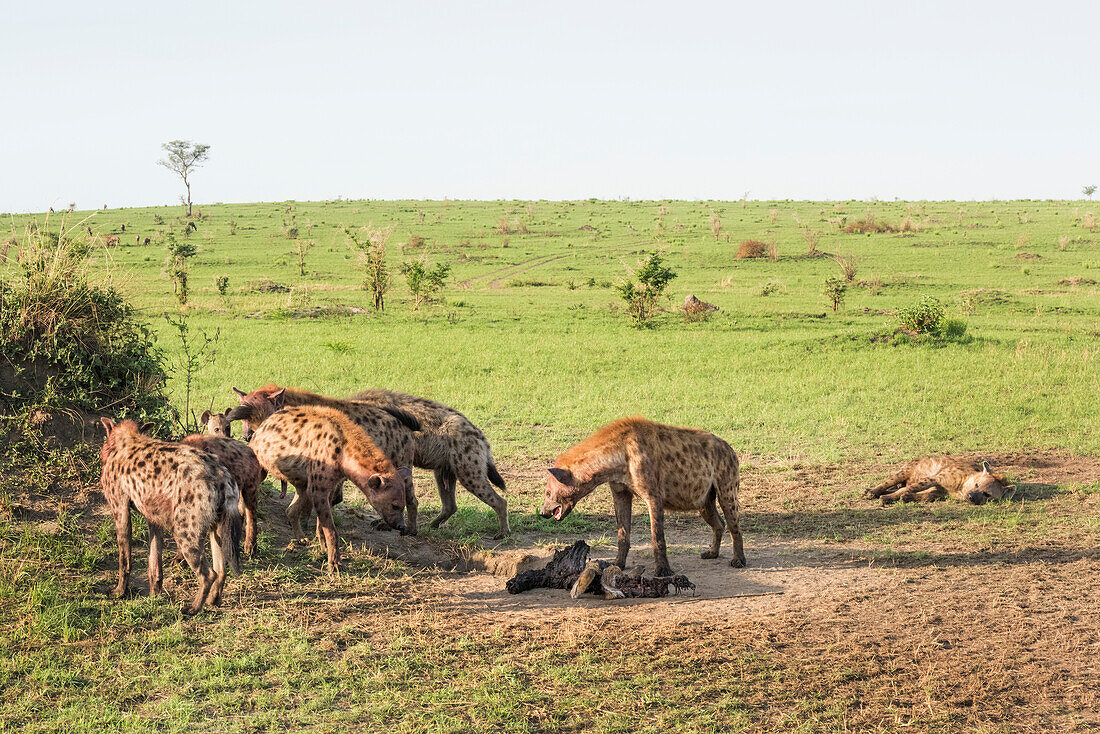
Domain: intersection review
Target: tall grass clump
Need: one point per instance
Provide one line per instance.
(68, 343)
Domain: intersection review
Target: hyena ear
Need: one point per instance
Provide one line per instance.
(375, 481)
(107, 424)
(147, 427)
(405, 472)
(241, 393)
(205, 417)
(562, 475)
(277, 397)
(985, 466)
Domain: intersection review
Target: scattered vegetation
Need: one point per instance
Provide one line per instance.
(642, 291)
(423, 281)
(833, 289)
(752, 248)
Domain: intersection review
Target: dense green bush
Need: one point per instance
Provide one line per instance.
(69, 344)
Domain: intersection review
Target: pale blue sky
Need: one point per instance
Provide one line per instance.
(550, 100)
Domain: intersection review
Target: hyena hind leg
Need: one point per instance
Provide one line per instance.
(935, 492)
(709, 512)
(890, 485)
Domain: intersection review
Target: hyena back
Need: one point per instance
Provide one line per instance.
(452, 448)
(178, 488)
(669, 468)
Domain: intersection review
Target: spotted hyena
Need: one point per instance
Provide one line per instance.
(175, 487)
(677, 469)
(316, 448)
(389, 428)
(242, 464)
(936, 477)
(453, 448)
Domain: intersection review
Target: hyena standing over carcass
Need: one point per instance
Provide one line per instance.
(453, 448)
(936, 477)
(176, 487)
(316, 449)
(389, 428)
(678, 469)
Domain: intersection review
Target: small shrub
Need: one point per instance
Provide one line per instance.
(423, 281)
(715, 225)
(926, 317)
(751, 248)
(222, 284)
(641, 297)
(833, 289)
(868, 225)
(773, 250)
(773, 215)
(232, 227)
(1063, 242)
(769, 288)
(504, 226)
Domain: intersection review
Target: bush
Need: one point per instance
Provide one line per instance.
(423, 281)
(752, 248)
(68, 344)
(834, 291)
(926, 317)
(641, 298)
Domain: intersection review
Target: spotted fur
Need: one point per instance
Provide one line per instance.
(247, 473)
(453, 448)
(316, 448)
(175, 487)
(390, 429)
(935, 477)
(669, 468)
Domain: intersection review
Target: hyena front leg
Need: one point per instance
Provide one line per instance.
(319, 493)
(933, 493)
(657, 529)
(410, 507)
(624, 501)
(121, 512)
(906, 493)
(709, 511)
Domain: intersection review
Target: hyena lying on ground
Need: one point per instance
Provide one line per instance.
(316, 449)
(389, 428)
(453, 448)
(176, 487)
(242, 464)
(678, 469)
(935, 477)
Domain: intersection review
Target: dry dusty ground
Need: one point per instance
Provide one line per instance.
(969, 618)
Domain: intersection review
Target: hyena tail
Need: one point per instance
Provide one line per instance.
(231, 528)
(494, 475)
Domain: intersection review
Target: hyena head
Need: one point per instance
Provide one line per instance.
(562, 493)
(217, 424)
(386, 494)
(255, 408)
(983, 486)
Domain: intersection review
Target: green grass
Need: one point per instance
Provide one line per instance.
(537, 364)
(538, 357)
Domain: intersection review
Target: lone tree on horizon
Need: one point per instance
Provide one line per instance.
(1089, 191)
(183, 158)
